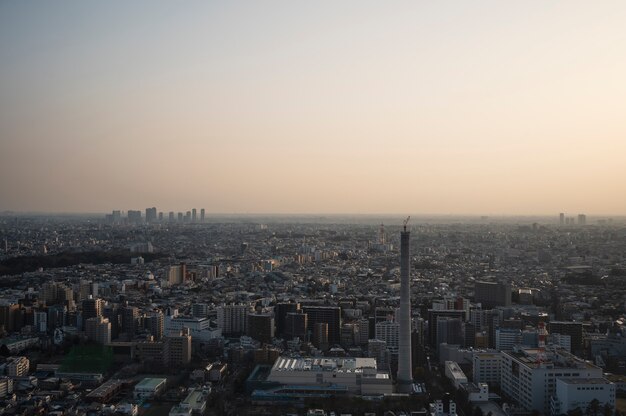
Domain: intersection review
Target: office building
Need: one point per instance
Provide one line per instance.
(261, 327)
(179, 347)
(296, 325)
(233, 319)
(578, 393)
(330, 315)
(573, 329)
(151, 215)
(280, 315)
(434, 316)
(490, 294)
(202, 212)
(134, 217)
(155, 323)
(357, 375)
(529, 375)
(98, 330)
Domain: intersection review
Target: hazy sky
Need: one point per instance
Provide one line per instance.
(449, 107)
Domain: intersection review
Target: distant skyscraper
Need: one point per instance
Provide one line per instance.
(161, 216)
(171, 216)
(562, 218)
(194, 215)
(180, 217)
(202, 215)
(405, 368)
(151, 215)
(582, 219)
(134, 217)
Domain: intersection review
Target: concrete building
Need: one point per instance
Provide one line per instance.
(17, 366)
(490, 294)
(233, 319)
(98, 329)
(529, 375)
(573, 329)
(296, 325)
(330, 315)
(357, 375)
(390, 333)
(199, 328)
(506, 338)
(177, 274)
(179, 348)
(149, 388)
(455, 374)
(486, 368)
(578, 393)
(6, 386)
(261, 327)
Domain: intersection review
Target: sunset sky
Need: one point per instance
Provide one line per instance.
(432, 107)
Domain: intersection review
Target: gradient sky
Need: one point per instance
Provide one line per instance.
(465, 107)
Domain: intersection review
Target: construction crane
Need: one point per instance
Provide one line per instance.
(406, 222)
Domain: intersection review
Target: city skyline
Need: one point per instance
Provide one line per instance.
(355, 108)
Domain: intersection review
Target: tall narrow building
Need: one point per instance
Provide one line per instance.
(405, 371)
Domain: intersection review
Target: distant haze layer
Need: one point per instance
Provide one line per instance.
(482, 107)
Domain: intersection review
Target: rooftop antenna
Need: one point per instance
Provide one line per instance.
(406, 222)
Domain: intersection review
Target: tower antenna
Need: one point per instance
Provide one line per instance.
(406, 222)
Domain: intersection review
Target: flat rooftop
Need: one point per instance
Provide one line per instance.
(324, 364)
(150, 383)
(593, 380)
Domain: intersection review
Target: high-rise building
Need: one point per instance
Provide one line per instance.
(17, 366)
(232, 319)
(194, 215)
(280, 315)
(491, 294)
(155, 324)
(199, 310)
(92, 308)
(434, 316)
(171, 216)
(151, 215)
(202, 212)
(330, 315)
(405, 367)
(7, 316)
(573, 329)
(295, 325)
(389, 332)
(562, 218)
(449, 330)
(179, 348)
(177, 274)
(130, 320)
(529, 375)
(320, 335)
(98, 329)
(134, 217)
(261, 327)
(582, 219)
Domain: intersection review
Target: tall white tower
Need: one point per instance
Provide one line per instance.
(405, 368)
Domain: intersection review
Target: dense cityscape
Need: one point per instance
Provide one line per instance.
(188, 314)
